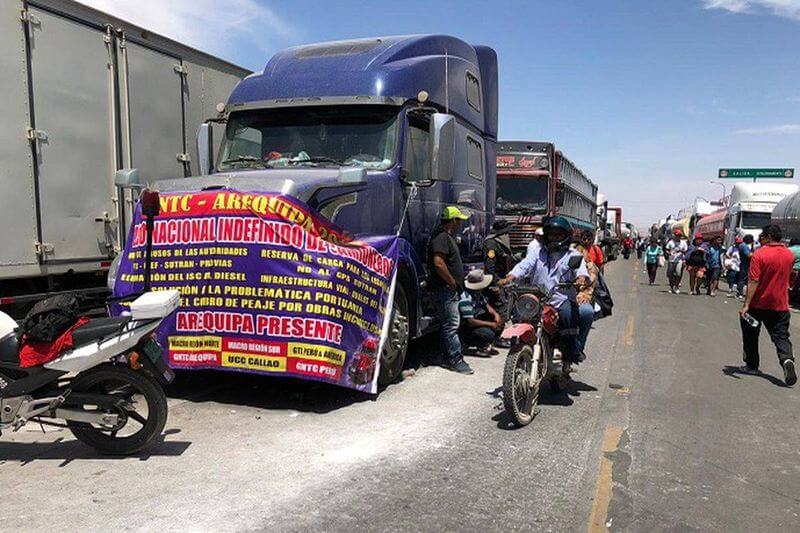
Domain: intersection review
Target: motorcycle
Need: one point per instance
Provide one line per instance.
(532, 357)
(107, 386)
(117, 369)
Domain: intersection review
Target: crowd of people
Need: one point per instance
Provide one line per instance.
(705, 262)
(471, 305)
(757, 272)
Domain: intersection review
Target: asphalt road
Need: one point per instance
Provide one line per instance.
(657, 433)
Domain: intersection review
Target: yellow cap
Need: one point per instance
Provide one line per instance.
(452, 212)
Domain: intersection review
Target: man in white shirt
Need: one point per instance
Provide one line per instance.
(676, 251)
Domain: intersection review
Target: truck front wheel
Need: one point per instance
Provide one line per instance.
(394, 350)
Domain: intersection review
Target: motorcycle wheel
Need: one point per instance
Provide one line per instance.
(141, 418)
(521, 380)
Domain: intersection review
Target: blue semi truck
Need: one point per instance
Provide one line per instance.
(351, 128)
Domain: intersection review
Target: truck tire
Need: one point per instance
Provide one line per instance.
(394, 351)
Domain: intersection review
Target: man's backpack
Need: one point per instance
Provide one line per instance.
(602, 298)
(49, 318)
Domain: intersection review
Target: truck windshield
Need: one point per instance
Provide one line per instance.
(753, 220)
(521, 194)
(358, 135)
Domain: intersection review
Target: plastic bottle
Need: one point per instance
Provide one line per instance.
(747, 317)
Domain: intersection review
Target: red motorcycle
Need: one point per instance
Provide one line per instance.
(532, 357)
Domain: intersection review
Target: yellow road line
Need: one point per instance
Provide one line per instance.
(629, 331)
(603, 488)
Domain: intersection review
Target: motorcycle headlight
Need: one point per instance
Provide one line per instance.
(527, 307)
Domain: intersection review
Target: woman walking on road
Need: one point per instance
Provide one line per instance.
(696, 263)
(653, 254)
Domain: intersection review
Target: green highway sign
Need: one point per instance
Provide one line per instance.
(756, 173)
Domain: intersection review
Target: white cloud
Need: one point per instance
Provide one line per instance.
(780, 129)
(782, 8)
(218, 27)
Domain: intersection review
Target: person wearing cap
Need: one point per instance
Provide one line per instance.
(676, 250)
(550, 267)
(696, 263)
(480, 322)
(445, 280)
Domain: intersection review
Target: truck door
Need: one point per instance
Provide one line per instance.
(426, 207)
(152, 115)
(468, 189)
(70, 66)
(204, 89)
(18, 228)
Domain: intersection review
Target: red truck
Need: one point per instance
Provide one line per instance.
(535, 181)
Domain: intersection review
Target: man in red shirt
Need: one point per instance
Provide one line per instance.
(595, 252)
(767, 301)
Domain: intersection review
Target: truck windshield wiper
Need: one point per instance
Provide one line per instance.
(317, 159)
(244, 159)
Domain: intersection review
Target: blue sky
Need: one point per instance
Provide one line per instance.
(648, 97)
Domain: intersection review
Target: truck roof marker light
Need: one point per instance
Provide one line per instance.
(422, 97)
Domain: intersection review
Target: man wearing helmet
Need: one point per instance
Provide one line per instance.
(548, 267)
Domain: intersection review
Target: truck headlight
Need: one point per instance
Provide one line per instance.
(113, 270)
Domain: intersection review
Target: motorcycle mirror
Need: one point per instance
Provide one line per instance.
(151, 203)
(575, 261)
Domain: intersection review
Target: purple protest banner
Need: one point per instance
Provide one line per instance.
(267, 286)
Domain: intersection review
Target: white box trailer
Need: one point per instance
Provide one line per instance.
(85, 94)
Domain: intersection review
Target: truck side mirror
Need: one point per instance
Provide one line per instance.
(127, 178)
(441, 150)
(205, 148)
(559, 195)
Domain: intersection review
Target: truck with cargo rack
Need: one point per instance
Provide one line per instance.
(86, 94)
(534, 181)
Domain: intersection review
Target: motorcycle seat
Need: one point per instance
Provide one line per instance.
(98, 328)
(9, 349)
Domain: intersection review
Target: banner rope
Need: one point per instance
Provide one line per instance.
(387, 313)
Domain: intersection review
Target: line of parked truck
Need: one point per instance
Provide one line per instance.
(748, 208)
(348, 127)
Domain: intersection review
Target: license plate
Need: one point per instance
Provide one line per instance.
(153, 351)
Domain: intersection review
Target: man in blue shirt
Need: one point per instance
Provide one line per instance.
(713, 265)
(548, 268)
(745, 253)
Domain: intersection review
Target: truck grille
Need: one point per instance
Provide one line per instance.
(522, 230)
(521, 235)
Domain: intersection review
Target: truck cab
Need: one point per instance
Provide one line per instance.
(357, 130)
(534, 181)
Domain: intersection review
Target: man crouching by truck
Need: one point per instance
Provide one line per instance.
(446, 278)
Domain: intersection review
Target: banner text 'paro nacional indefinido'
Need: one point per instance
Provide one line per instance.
(267, 286)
